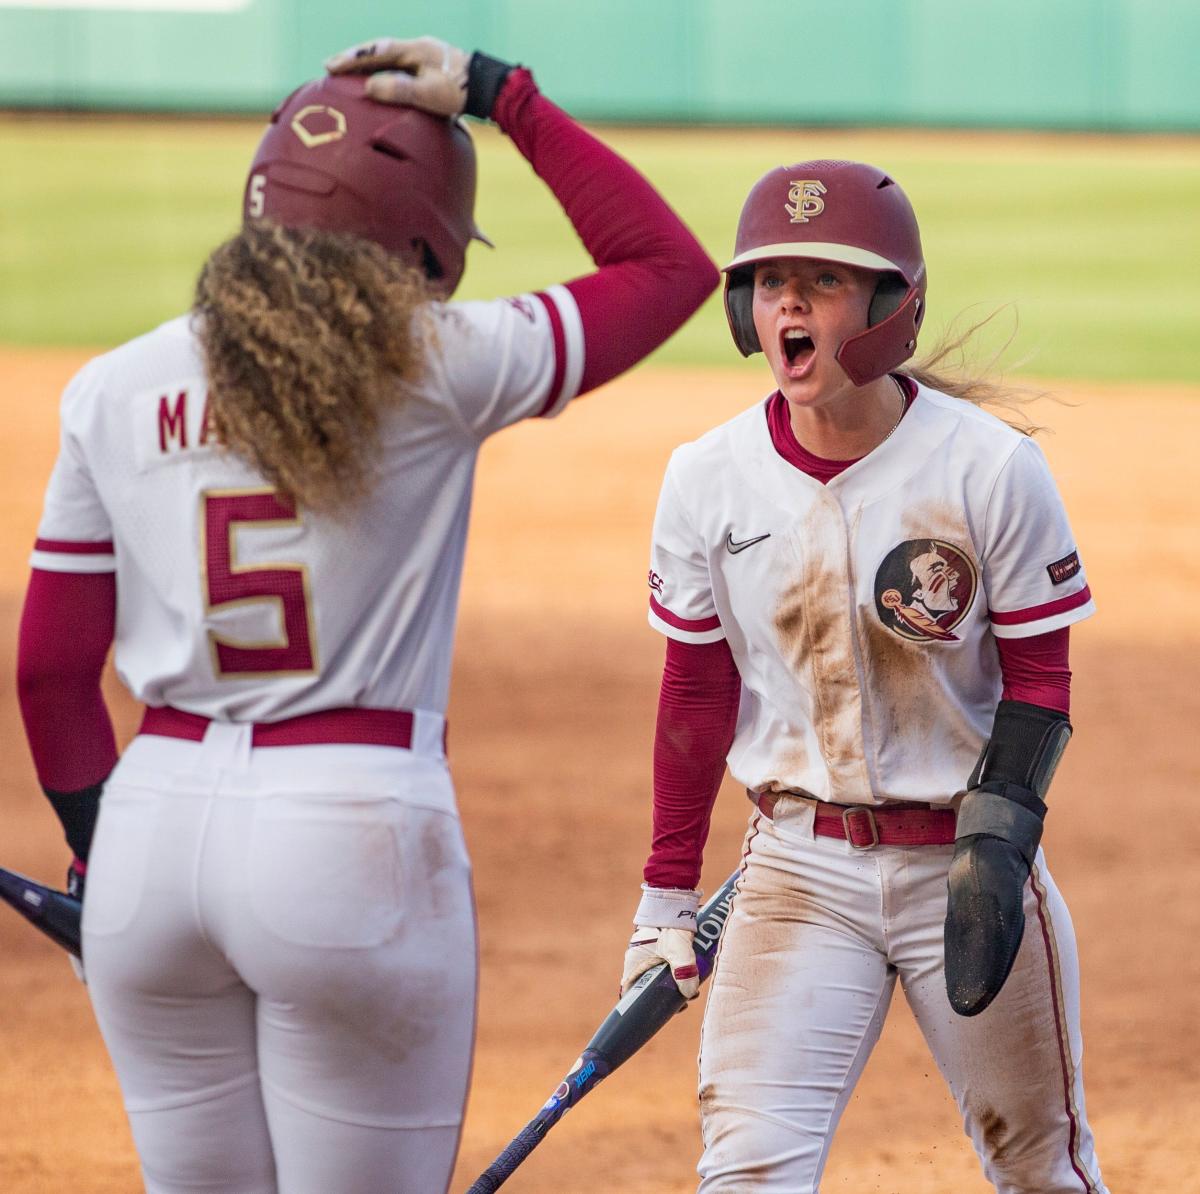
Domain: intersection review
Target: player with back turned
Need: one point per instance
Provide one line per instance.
(866, 584)
(265, 505)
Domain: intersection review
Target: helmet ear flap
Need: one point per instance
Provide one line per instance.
(883, 346)
(739, 310)
(890, 291)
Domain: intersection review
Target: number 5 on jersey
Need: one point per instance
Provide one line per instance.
(282, 585)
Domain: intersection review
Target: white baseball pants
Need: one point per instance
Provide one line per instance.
(280, 950)
(818, 934)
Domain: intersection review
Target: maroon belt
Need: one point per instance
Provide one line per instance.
(362, 727)
(864, 826)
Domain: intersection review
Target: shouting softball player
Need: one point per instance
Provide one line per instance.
(866, 584)
(265, 504)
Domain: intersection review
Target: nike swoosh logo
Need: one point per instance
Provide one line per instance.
(734, 548)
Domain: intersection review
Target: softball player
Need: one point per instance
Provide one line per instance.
(265, 504)
(866, 584)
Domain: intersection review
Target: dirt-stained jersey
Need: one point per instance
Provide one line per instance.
(233, 604)
(861, 613)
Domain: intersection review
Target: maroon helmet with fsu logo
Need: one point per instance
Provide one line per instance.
(847, 212)
(333, 159)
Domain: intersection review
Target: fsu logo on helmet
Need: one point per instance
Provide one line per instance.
(924, 588)
(804, 200)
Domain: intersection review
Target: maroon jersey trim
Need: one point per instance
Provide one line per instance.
(1036, 612)
(72, 547)
(560, 353)
(679, 623)
(786, 444)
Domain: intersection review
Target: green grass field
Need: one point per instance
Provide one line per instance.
(104, 223)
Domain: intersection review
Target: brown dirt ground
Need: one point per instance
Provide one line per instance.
(554, 693)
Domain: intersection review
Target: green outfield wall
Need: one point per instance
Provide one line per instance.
(1077, 64)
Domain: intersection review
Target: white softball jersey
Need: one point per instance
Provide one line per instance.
(233, 605)
(861, 613)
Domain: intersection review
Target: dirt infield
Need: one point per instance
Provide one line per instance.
(551, 723)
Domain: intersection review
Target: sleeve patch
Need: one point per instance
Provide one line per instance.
(1064, 569)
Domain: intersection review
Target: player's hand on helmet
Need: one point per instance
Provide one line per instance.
(423, 72)
(76, 881)
(665, 926)
(426, 73)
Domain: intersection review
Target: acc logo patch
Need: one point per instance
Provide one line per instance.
(924, 588)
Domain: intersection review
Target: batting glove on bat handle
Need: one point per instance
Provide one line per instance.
(649, 947)
(425, 73)
(665, 928)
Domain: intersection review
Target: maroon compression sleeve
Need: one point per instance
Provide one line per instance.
(697, 715)
(1036, 669)
(67, 627)
(653, 272)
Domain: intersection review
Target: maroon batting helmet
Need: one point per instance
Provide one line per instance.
(331, 158)
(835, 211)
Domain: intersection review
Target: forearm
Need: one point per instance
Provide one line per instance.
(1036, 670)
(652, 274)
(67, 627)
(697, 716)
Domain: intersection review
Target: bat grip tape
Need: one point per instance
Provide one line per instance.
(506, 1164)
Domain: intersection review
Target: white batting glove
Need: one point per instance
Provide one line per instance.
(423, 73)
(665, 926)
(649, 946)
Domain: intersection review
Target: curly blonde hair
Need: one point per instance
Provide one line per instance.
(951, 367)
(307, 337)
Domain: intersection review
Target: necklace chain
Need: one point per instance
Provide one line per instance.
(903, 407)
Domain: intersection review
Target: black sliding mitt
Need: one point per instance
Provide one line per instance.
(999, 828)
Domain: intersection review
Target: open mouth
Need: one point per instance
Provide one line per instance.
(797, 346)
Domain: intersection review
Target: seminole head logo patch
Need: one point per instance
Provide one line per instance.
(924, 588)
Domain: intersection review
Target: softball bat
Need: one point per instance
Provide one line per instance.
(648, 1004)
(53, 912)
